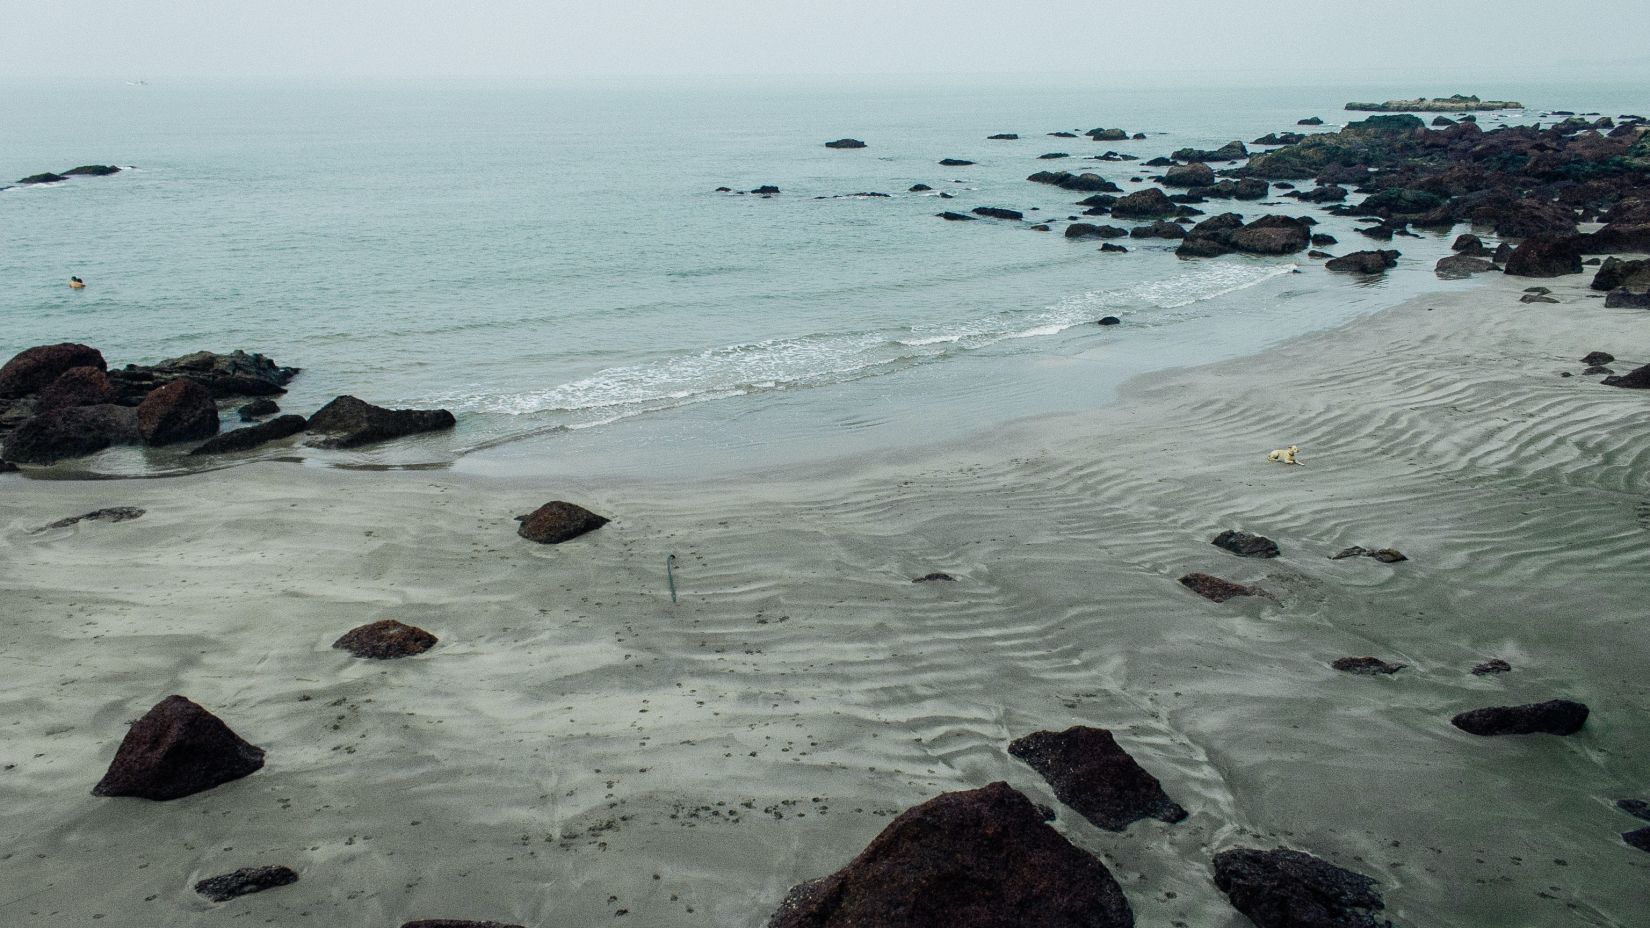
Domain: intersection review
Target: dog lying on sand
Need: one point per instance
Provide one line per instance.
(1286, 455)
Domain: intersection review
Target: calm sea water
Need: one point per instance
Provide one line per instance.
(553, 262)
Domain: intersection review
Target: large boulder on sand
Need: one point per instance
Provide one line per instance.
(1364, 262)
(1553, 717)
(245, 882)
(1460, 267)
(385, 640)
(983, 858)
(71, 433)
(180, 411)
(245, 439)
(176, 749)
(31, 370)
(1094, 775)
(558, 521)
(1543, 256)
(351, 422)
(1281, 888)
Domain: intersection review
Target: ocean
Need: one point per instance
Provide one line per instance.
(555, 264)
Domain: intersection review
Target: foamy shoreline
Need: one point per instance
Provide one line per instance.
(574, 734)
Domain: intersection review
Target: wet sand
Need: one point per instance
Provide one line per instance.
(577, 746)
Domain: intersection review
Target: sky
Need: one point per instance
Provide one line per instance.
(1293, 39)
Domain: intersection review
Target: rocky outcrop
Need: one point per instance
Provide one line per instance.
(1637, 379)
(1094, 775)
(845, 143)
(1624, 298)
(1158, 229)
(454, 923)
(983, 858)
(1087, 230)
(950, 216)
(1107, 135)
(77, 386)
(1066, 180)
(1231, 151)
(1226, 233)
(558, 521)
(1460, 267)
(1470, 245)
(1384, 555)
(175, 750)
(257, 409)
(1365, 666)
(1214, 588)
(180, 411)
(92, 170)
(955, 162)
(225, 376)
(1002, 137)
(1150, 203)
(1491, 666)
(1546, 257)
(1196, 174)
(1243, 544)
(997, 212)
(252, 436)
(938, 576)
(1554, 717)
(350, 422)
(385, 640)
(1364, 262)
(1279, 138)
(1455, 103)
(32, 370)
(1309, 121)
(1323, 193)
(71, 433)
(1615, 273)
(245, 882)
(1281, 888)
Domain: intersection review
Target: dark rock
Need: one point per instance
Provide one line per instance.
(1384, 555)
(1244, 544)
(1546, 257)
(1554, 717)
(1324, 240)
(1109, 320)
(766, 190)
(92, 170)
(1107, 135)
(71, 433)
(556, 522)
(1289, 889)
(957, 217)
(1114, 249)
(1439, 122)
(352, 422)
(1150, 203)
(982, 858)
(1063, 135)
(1309, 121)
(1279, 138)
(175, 750)
(1196, 174)
(223, 375)
(111, 514)
(1620, 236)
(34, 369)
(257, 409)
(1470, 245)
(1231, 151)
(1539, 298)
(77, 386)
(1598, 357)
(1367, 666)
(1502, 252)
(1639, 839)
(180, 411)
(1271, 235)
(1052, 155)
(245, 882)
(454, 923)
(1637, 379)
(1626, 299)
(385, 640)
(998, 213)
(1087, 230)
(1364, 262)
(920, 188)
(1460, 267)
(1002, 137)
(955, 162)
(1323, 193)
(1214, 588)
(252, 436)
(935, 576)
(845, 143)
(1638, 808)
(1494, 665)
(1597, 370)
(1066, 180)
(1159, 229)
(1042, 227)
(1614, 272)
(1096, 777)
(44, 178)
(7, 467)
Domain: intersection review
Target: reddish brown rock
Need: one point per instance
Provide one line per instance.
(557, 521)
(1215, 588)
(982, 858)
(1281, 888)
(1094, 775)
(77, 386)
(175, 750)
(351, 422)
(32, 370)
(180, 411)
(1546, 256)
(386, 639)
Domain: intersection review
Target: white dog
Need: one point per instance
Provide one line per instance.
(1286, 455)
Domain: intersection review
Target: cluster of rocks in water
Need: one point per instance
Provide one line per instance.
(85, 170)
(62, 401)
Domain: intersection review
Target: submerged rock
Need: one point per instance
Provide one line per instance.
(175, 750)
(244, 882)
(936, 575)
(1638, 808)
(385, 640)
(1368, 666)
(997, 212)
(1364, 262)
(845, 143)
(352, 422)
(33, 369)
(1065, 180)
(1554, 717)
(179, 411)
(257, 409)
(955, 162)
(1598, 357)
(557, 521)
(1108, 320)
(1639, 839)
(111, 514)
(1281, 888)
(982, 858)
(1493, 665)
(1384, 555)
(1094, 775)
(1460, 267)
(957, 217)
(454, 923)
(1089, 230)
(1214, 588)
(1244, 544)
(1622, 298)
(1636, 379)
(252, 436)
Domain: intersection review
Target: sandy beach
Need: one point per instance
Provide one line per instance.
(578, 750)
